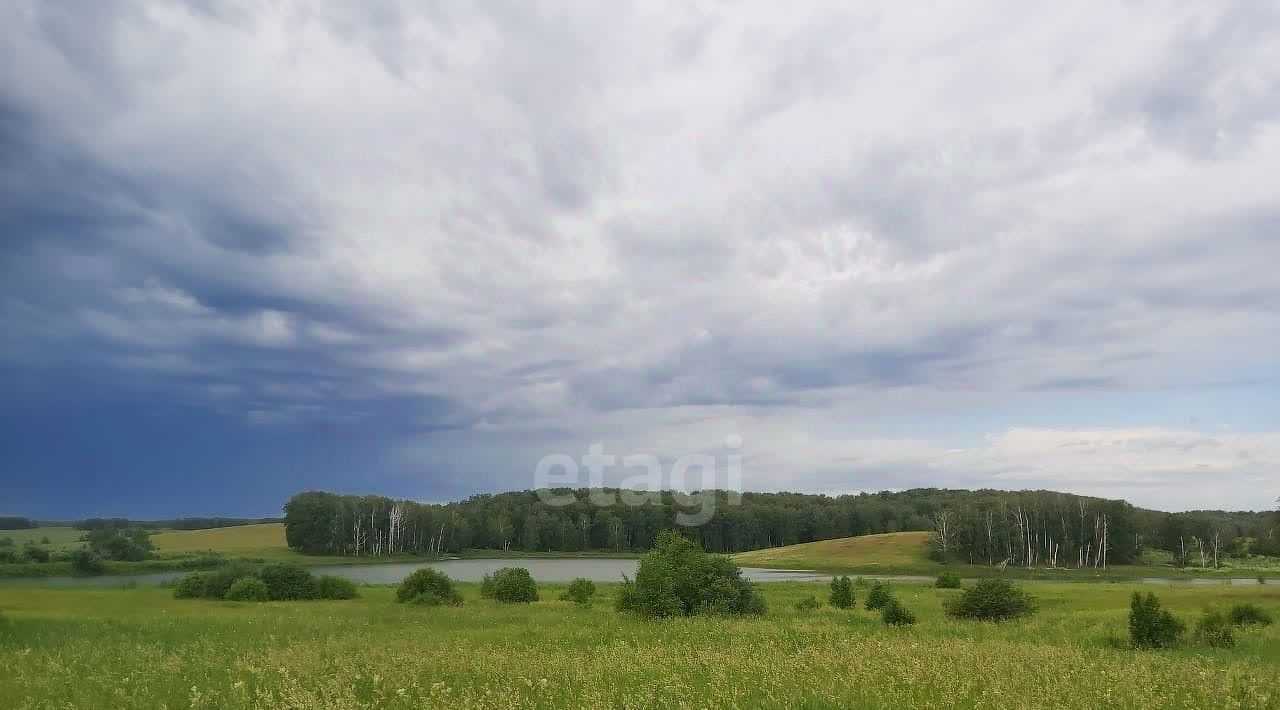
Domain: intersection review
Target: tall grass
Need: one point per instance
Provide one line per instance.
(139, 648)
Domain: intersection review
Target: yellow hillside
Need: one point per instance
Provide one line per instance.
(890, 549)
(263, 540)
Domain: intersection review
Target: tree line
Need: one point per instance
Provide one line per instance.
(1034, 528)
(1038, 529)
(171, 524)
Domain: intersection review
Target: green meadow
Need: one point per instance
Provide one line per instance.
(59, 538)
(140, 648)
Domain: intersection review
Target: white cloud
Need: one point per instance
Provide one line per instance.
(549, 217)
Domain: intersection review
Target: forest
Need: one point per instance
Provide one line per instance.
(1029, 528)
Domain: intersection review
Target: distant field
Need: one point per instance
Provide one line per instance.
(907, 553)
(896, 550)
(141, 648)
(59, 538)
(262, 540)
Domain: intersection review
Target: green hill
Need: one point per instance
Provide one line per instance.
(262, 540)
(896, 551)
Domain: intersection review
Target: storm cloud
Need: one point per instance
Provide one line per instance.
(966, 245)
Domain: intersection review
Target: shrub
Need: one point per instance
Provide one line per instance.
(878, 596)
(289, 582)
(486, 587)
(627, 599)
(895, 614)
(428, 587)
(579, 592)
(991, 600)
(1242, 614)
(44, 540)
(7, 554)
(514, 585)
(678, 578)
(328, 587)
(247, 589)
(841, 596)
(217, 583)
(116, 543)
(6, 541)
(204, 561)
(948, 580)
(808, 604)
(190, 586)
(1214, 629)
(85, 561)
(1149, 625)
(36, 554)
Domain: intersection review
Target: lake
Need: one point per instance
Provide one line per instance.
(597, 569)
(602, 569)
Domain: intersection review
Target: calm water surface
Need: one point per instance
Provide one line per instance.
(600, 569)
(544, 570)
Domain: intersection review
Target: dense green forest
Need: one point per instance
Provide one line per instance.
(1033, 528)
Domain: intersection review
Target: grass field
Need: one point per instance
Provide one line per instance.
(140, 648)
(59, 538)
(264, 540)
(895, 550)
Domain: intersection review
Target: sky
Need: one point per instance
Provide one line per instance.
(422, 249)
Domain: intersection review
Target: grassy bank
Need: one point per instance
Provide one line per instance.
(204, 549)
(141, 648)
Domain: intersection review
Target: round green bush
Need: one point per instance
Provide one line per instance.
(217, 582)
(948, 580)
(841, 596)
(878, 596)
(328, 587)
(428, 587)
(1214, 630)
(678, 578)
(514, 585)
(895, 614)
(289, 582)
(247, 589)
(579, 592)
(190, 586)
(991, 600)
(1244, 614)
(1151, 626)
(86, 562)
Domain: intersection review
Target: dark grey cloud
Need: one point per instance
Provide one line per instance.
(533, 220)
